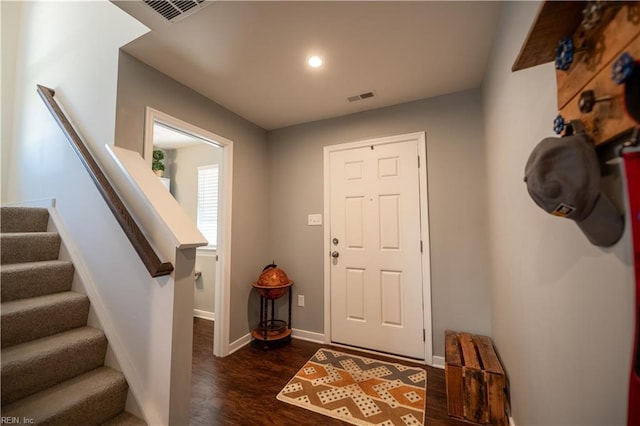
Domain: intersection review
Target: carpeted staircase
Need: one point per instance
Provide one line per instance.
(52, 363)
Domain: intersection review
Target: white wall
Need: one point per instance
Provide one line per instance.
(10, 18)
(72, 47)
(562, 312)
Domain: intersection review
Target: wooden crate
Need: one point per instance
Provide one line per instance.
(475, 379)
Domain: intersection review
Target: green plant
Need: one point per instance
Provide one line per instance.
(158, 156)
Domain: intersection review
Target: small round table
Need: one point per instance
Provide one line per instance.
(272, 332)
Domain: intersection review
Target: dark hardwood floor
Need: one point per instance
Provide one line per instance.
(241, 388)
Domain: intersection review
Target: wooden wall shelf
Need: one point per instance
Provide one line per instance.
(617, 31)
(555, 19)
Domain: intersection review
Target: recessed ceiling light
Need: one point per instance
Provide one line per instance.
(314, 61)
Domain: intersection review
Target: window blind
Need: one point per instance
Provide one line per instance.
(207, 214)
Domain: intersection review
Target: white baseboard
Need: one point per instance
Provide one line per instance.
(240, 343)
(211, 316)
(438, 361)
(296, 334)
(309, 336)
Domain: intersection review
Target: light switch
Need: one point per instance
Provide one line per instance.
(314, 220)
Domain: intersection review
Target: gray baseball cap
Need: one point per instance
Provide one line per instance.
(563, 178)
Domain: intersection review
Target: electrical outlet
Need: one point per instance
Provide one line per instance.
(314, 220)
(300, 300)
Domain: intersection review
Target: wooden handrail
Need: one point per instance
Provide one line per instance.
(140, 243)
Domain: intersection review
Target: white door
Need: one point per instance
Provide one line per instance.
(376, 270)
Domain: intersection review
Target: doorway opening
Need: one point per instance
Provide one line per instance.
(197, 170)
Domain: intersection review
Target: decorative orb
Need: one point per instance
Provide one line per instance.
(273, 282)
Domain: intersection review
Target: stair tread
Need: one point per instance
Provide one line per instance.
(28, 319)
(30, 236)
(32, 303)
(51, 402)
(25, 266)
(24, 218)
(125, 419)
(40, 347)
(20, 247)
(32, 279)
(32, 366)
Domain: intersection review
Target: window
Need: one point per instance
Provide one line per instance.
(207, 214)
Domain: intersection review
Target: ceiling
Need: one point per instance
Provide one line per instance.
(250, 57)
(168, 138)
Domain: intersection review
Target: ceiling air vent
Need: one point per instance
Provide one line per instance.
(361, 96)
(174, 10)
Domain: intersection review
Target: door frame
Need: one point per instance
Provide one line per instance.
(222, 286)
(420, 138)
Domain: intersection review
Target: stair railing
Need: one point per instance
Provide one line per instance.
(140, 243)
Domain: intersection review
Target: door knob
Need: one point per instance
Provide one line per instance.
(335, 241)
(335, 254)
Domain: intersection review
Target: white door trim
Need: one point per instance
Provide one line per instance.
(420, 137)
(223, 269)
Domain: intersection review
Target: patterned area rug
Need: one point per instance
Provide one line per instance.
(359, 390)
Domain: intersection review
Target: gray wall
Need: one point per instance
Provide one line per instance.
(184, 173)
(139, 86)
(562, 309)
(457, 205)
